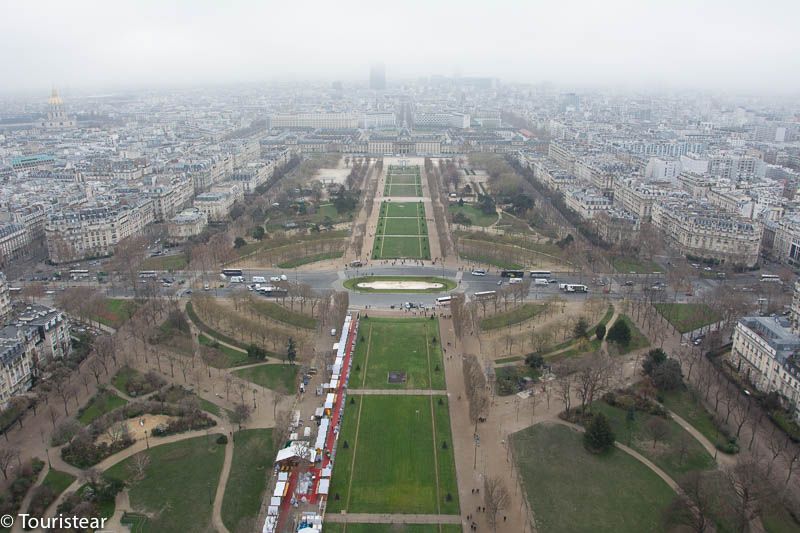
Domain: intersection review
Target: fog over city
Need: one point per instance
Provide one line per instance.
(719, 45)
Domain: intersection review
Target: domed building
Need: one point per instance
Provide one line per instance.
(57, 117)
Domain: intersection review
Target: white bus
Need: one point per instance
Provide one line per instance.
(148, 274)
(77, 274)
(484, 295)
(444, 300)
(541, 274)
(574, 287)
(770, 278)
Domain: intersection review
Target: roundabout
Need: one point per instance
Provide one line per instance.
(400, 284)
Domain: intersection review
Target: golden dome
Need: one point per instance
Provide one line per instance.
(54, 98)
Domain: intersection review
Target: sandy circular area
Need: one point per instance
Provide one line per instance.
(399, 285)
(137, 426)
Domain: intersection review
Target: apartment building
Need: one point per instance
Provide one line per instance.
(313, 121)
(5, 299)
(637, 197)
(186, 224)
(94, 231)
(587, 202)
(786, 243)
(436, 120)
(765, 351)
(706, 232)
(562, 155)
(171, 198)
(15, 242)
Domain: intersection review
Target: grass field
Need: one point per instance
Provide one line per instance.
(57, 480)
(491, 261)
(585, 492)
(352, 283)
(310, 259)
(398, 345)
(403, 183)
(402, 209)
(232, 356)
(394, 469)
(331, 527)
(478, 217)
(638, 340)
(688, 317)
(179, 484)
(165, 262)
(625, 265)
(677, 454)
(279, 378)
(510, 318)
(402, 232)
(401, 248)
(100, 404)
(283, 314)
(251, 470)
(113, 312)
(687, 406)
(402, 226)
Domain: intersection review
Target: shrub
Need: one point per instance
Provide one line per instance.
(598, 437)
(222, 440)
(620, 333)
(600, 331)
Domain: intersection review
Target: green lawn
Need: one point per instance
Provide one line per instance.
(310, 259)
(401, 226)
(211, 332)
(626, 265)
(688, 317)
(638, 340)
(231, 356)
(57, 480)
(686, 405)
(394, 470)
(401, 248)
(448, 483)
(251, 470)
(665, 453)
(283, 314)
(398, 345)
(492, 261)
(510, 318)
(113, 312)
(279, 378)
(165, 262)
(123, 376)
(402, 209)
(352, 283)
(572, 490)
(331, 527)
(478, 217)
(179, 484)
(100, 404)
(397, 189)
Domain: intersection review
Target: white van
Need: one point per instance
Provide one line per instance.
(333, 332)
(514, 281)
(541, 281)
(259, 279)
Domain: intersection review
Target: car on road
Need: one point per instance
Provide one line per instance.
(499, 281)
(479, 272)
(629, 283)
(206, 287)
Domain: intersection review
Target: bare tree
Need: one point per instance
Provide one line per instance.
(658, 429)
(496, 497)
(7, 456)
(138, 465)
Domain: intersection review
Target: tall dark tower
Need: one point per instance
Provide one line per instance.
(377, 77)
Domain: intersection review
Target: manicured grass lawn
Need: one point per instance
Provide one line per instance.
(486, 260)
(398, 345)
(776, 519)
(396, 189)
(572, 490)
(279, 378)
(352, 283)
(638, 340)
(231, 356)
(310, 259)
(284, 314)
(687, 406)
(512, 359)
(209, 331)
(331, 527)
(113, 312)
(100, 404)
(478, 217)
(402, 226)
(179, 484)
(251, 470)
(401, 247)
(687, 317)
(57, 480)
(402, 209)
(448, 483)
(123, 376)
(394, 469)
(509, 318)
(165, 262)
(666, 453)
(625, 265)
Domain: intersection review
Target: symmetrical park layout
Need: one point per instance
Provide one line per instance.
(401, 232)
(403, 181)
(395, 452)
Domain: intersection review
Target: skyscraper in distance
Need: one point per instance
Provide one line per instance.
(377, 77)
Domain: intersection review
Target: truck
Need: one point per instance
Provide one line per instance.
(259, 279)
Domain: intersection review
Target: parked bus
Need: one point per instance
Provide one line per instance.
(78, 274)
(484, 295)
(512, 274)
(770, 278)
(228, 272)
(444, 300)
(571, 287)
(148, 274)
(541, 274)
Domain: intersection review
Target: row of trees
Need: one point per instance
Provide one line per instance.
(435, 185)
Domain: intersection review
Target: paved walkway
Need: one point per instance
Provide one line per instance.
(396, 392)
(721, 458)
(216, 513)
(364, 518)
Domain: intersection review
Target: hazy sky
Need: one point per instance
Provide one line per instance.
(733, 44)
